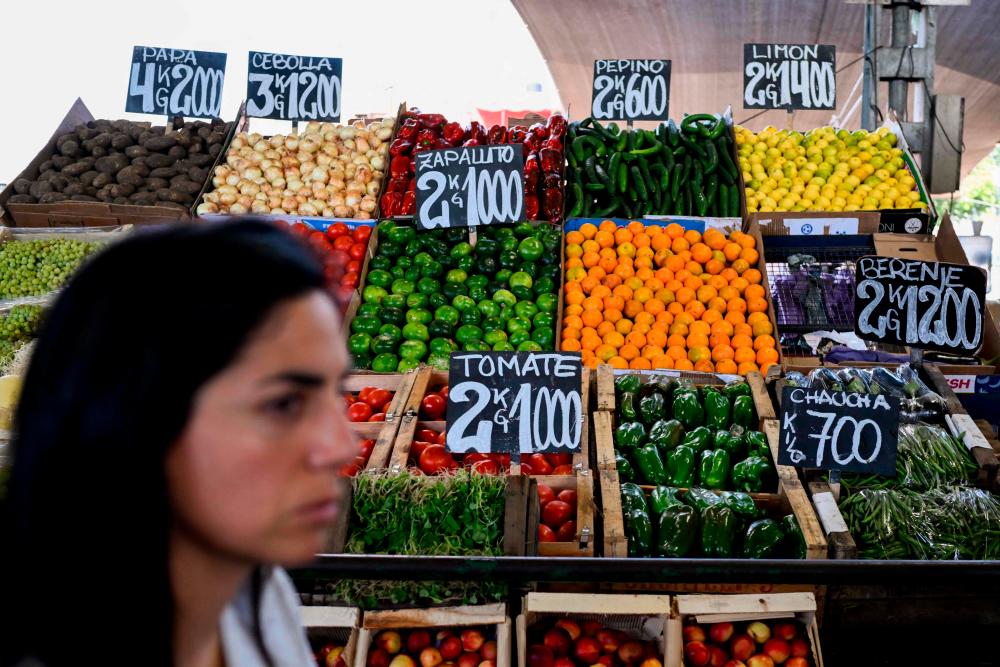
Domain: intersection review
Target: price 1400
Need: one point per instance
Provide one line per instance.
(488, 196)
(548, 420)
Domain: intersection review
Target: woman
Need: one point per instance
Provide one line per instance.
(179, 431)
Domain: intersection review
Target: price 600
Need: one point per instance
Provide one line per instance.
(848, 434)
(639, 96)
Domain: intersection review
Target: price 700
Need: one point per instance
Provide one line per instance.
(490, 196)
(825, 438)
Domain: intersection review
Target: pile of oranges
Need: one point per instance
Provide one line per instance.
(661, 297)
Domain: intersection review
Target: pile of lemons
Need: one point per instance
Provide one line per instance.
(824, 170)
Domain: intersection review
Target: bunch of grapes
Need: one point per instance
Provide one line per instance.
(20, 323)
(30, 268)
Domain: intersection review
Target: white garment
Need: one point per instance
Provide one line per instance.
(280, 624)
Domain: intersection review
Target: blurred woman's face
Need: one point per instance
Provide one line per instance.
(254, 474)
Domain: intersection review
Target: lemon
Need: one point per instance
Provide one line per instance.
(838, 202)
(913, 196)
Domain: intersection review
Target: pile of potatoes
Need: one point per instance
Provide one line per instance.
(124, 162)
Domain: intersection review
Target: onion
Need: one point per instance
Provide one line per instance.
(373, 187)
(331, 149)
(355, 188)
(253, 138)
(278, 211)
(367, 204)
(312, 127)
(346, 133)
(207, 207)
(259, 208)
(308, 146)
(350, 171)
(212, 197)
(271, 155)
(307, 167)
(353, 200)
(337, 200)
(384, 134)
(320, 174)
(277, 141)
(323, 159)
(338, 173)
(342, 212)
(251, 173)
(273, 173)
(237, 209)
(292, 143)
(363, 174)
(294, 185)
(233, 179)
(378, 163)
(279, 183)
(321, 193)
(327, 212)
(217, 181)
(227, 198)
(260, 146)
(289, 161)
(289, 204)
(362, 215)
(274, 202)
(239, 141)
(337, 184)
(362, 145)
(308, 209)
(248, 188)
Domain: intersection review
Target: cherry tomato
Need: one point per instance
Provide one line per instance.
(378, 399)
(362, 233)
(545, 495)
(343, 243)
(545, 534)
(353, 265)
(378, 417)
(433, 407)
(566, 532)
(359, 412)
(427, 435)
(357, 251)
(567, 496)
(556, 513)
(526, 469)
(350, 280)
(436, 459)
(486, 467)
(563, 470)
(560, 459)
(364, 393)
(539, 464)
(337, 230)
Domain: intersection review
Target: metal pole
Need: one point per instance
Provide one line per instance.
(869, 91)
(900, 38)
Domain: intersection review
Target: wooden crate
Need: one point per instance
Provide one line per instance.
(426, 378)
(644, 617)
(333, 624)
(492, 617)
(384, 433)
(586, 535)
(838, 537)
(707, 609)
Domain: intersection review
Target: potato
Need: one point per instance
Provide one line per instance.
(101, 180)
(132, 175)
(196, 148)
(121, 201)
(205, 131)
(133, 152)
(111, 164)
(121, 141)
(198, 174)
(143, 198)
(122, 190)
(160, 144)
(21, 186)
(83, 198)
(52, 198)
(60, 162)
(200, 159)
(178, 152)
(103, 140)
(58, 181)
(158, 160)
(45, 166)
(135, 131)
(73, 189)
(81, 167)
(183, 165)
(39, 188)
(98, 151)
(183, 138)
(216, 138)
(63, 138)
(214, 150)
(21, 199)
(69, 148)
(170, 204)
(104, 194)
(163, 172)
(185, 186)
(85, 133)
(172, 195)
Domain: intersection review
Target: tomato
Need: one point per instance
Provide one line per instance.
(343, 243)
(350, 280)
(338, 258)
(365, 392)
(560, 459)
(568, 496)
(359, 412)
(433, 407)
(353, 265)
(556, 513)
(475, 457)
(443, 438)
(539, 464)
(526, 469)
(418, 447)
(302, 229)
(545, 494)
(362, 233)
(349, 400)
(443, 392)
(366, 449)
(566, 532)
(545, 534)
(427, 435)
(503, 459)
(337, 230)
(378, 399)
(378, 417)
(349, 470)
(436, 459)
(563, 470)
(486, 467)
(319, 239)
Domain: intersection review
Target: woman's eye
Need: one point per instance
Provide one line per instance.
(287, 405)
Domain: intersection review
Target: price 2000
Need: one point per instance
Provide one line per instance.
(844, 437)
(551, 421)
(296, 96)
(489, 197)
(637, 97)
(949, 317)
(190, 91)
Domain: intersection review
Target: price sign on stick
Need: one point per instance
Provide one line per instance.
(835, 430)
(631, 90)
(172, 82)
(293, 87)
(514, 402)
(471, 185)
(789, 76)
(926, 305)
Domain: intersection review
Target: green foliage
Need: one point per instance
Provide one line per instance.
(980, 192)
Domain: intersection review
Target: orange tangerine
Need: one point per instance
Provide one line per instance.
(742, 355)
(752, 276)
(636, 227)
(704, 366)
(696, 308)
(573, 250)
(723, 327)
(640, 364)
(659, 242)
(613, 302)
(643, 262)
(694, 283)
(715, 240)
(653, 230)
(732, 251)
(695, 268)
(686, 318)
(643, 294)
(735, 318)
(740, 266)
(572, 322)
(628, 352)
(617, 362)
(605, 239)
(714, 266)
(662, 361)
(718, 304)
(675, 308)
(575, 270)
(654, 284)
(746, 367)
(676, 339)
(763, 341)
(590, 343)
(575, 309)
(664, 296)
(590, 245)
(608, 226)
(763, 369)
(641, 241)
(664, 320)
(753, 292)
(736, 306)
(623, 326)
(744, 329)
(590, 259)
(571, 345)
(756, 305)
(624, 271)
(571, 333)
(701, 253)
(706, 293)
(654, 306)
(656, 337)
(692, 236)
(717, 339)
(592, 318)
(746, 241)
(729, 274)
(767, 355)
(684, 295)
(636, 339)
(742, 340)
(674, 285)
(673, 230)
(633, 283)
(588, 230)
(645, 318)
(612, 315)
(612, 281)
(593, 303)
(722, 352)
(763, 328)
(684, 365)
(614, 339)
(750, 256)
(711, 316)
(726, 367)
(679, 329)
(575, 237)
(604, 328)
(700, 328)
(575, 297)
(626, 250)
(696, 354)
(696, 340)
(740, 284)
(675, 263)
(622, 235)
(641, 329)
(609, 265)
(754, 318)
(600, 291)
(644, 274)
(597, 273)
(679, 245)
(632, 308)
(652, 351)
(623, 291)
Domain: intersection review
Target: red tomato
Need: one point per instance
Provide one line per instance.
(566, 532)
(353, 265)
(350, 399)
(365, 392)
(338, 258)
(443, 438)
(560, 459)
(427, 435)
(359, 412)
(302, 229)
(343, 243)
(436, 459)
(563, 470)
(545, 494)
(539, 464)
(545, 534)
(503, 459)
(378, 399)
(433, 407)
(378, 417)
(526, 469)
(568, 496)
(337, 230)
(366, 448)
(475, 457)
(349, 470)
(486, 467)
(350, 280)
(362, 233)
(418, 447)
(443, 392)
(357, 251)
(556, 513)
(319, 239)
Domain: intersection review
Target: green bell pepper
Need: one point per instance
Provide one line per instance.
(627, 409)
(713, 470)
(650, 465)
(756, 444)
(385, 363)
(627, 384)
(652, 408)
(718, 531)
(728, 442)
(741, 504)
(666, 433)
(701, 499)
(676, 531)
(794, 538)
(743, 411)
(625, 471)
(681, 467)
(762, 539)
(698, 439)
(687, 410)
(629, 435)
(716, 410)
(633, 498)
(661, 498)
(639, 530)
(734, 389)
(750, 474)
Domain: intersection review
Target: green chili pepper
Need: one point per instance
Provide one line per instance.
(666, 433)
(624, 467)
(680, 467)
(751, 474)
(627, 409)
(676, 531)
(687, 410)
(718, 531)
(743, 412)
(762, 539)
(661, 498)
(713, 470)
(652, 408)
(793, 536)
(639, 530)
(716, 411)
(741, 504)
(698, 438)
(701, 499)
(633, 498)
(629, 435)
(650, 465)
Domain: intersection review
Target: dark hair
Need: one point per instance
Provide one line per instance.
(121, 354)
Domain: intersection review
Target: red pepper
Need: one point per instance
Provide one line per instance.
(426, 138)
(552, 160)
(540, 131)
(497, 135)
(553, 142)
(409, 205)
(441, 144)
(531, 207)
(551, 181)
(389, 204)
(516, 134)
(556, 125)
(477, 132)
(398, 183)
(531, 171)
(433, 120)
(553, 204)
(400, 147)
(532, 143)
(454, 134)
(409, 129)
(399, 166)
(411, 186)
(471, 142)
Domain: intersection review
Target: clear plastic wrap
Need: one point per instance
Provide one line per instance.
(917, 402)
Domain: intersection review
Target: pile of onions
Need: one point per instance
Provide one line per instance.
(330, 171)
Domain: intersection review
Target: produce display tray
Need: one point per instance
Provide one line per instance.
(339, 625)
(383, 433)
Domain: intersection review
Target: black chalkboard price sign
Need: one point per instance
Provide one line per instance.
(176, 82)
(293, 87)
(835, 430)
(789, 76)
(631, 90)
(925, 305)
(514, 402)
(469, 186)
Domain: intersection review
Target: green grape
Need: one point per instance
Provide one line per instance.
(30, 268)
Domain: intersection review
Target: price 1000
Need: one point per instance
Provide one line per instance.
(844, 437)
(489, 196)
(551, 421)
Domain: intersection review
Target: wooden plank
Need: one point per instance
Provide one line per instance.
(604, 440)
(408, 421)
(329, 617)
(761, 399)
(386, 438)
(531, 524)
(515, 516)
(605, 388)
(772, 429)
(583, 484)
(840, 543)
(812, 531)
(940, 385)
(487, 614)
(615, 542)
(591, 603)
(336, 534)
(692, 605)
